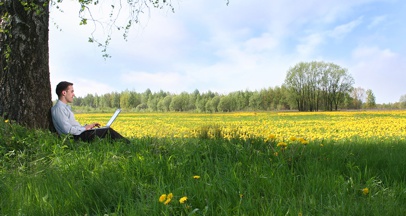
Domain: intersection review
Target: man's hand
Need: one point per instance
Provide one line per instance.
(91, 126)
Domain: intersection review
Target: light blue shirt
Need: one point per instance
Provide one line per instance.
(64, 120)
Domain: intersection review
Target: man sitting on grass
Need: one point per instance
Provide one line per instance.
(65, 123)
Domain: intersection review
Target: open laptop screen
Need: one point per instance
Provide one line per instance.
(113, 118)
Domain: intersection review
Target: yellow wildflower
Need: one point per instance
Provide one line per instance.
(365, 191)
(167, 201)
(304, 142)
(292, 138)
(282, 144)
(196, 177)
(183, 200)
(6, 121)
(271, 136)
(162, 198)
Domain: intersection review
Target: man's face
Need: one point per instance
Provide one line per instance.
(69, 94)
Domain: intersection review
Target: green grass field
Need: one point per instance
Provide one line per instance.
(42, 174)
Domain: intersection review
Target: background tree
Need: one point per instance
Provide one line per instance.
(212, 104)
(341, 83)
(313, 83)
(255, 101)
(402, 101)
(370, 101)
(125, 99)
(201, 104)
(88, 100)
(134, 99)
(153, 103)
(163, 105)
(266, 98)
(358, 96)
(225, 104)
(106, 102)
(176, 103)
(115, 99)
(295, 81)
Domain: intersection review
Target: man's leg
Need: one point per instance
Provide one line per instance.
(114, 135)
(86, 136)
(108, 133)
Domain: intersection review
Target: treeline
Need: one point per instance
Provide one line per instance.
(265, 99)
(270, 99)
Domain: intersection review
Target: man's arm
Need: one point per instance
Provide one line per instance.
(64, 121)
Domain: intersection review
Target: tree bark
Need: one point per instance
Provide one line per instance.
(25, 89)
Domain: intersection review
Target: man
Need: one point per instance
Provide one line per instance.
(65, 123)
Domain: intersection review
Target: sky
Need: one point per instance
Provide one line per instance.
(246, 45)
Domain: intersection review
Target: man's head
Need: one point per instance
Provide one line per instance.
(65, 92)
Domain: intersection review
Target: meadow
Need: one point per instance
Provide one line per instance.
(265, 163)
(282, 126)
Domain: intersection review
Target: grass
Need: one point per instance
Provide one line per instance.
(42, 174)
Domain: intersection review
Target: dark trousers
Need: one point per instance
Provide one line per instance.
(108, 133)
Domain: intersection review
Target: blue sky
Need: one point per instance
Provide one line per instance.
(207, 45)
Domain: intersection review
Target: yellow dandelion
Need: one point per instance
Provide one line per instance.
(6, 121)
(304, 142)
(365, 191)
(292, 138)
(271, 136)
(167, 201)
(162, 198)
(196, 177)
(183, 200)
(170, 196)
(282, 144)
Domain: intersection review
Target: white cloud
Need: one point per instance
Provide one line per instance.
(154, 81)
(264, 43)
(84, 86)
(377, 21)
(379, 70)
(162, 38)
(372, 53)
(342, 30)
(309, 45)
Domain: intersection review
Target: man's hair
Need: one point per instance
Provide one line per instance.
(62, 86)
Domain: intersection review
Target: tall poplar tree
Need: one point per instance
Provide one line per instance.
(313, 83)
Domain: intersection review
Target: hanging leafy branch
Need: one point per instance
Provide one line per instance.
(134, 8)
(114, 22)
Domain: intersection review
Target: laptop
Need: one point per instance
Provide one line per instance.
(111, 120)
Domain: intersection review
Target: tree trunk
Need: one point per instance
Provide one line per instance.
(25, 89)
